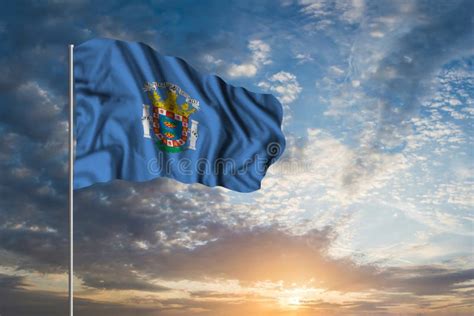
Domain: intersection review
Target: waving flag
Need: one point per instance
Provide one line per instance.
(141, 115)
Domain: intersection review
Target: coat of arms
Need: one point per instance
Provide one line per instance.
(170, 121)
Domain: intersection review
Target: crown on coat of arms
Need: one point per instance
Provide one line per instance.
(170, 103)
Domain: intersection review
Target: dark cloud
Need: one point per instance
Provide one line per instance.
(31, 303)
(151, 229)
(45, 252)
(106, 278)
(263, 254)
(41, 303)
(10, 281)
(114, 240)
(426, 280)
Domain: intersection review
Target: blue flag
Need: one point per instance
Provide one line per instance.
(140, 115)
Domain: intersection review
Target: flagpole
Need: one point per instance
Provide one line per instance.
(71, 174)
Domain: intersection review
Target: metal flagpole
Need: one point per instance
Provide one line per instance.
(71, 173)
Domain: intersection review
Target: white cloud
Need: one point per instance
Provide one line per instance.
(260, 55)
(284, 84)
(316, 174)
(327, 13)
(212, 60)
(260, 52)
(377, 34)
(336, 71)
(304, 58)
(353, 10)
(454, 101)
(243, 70)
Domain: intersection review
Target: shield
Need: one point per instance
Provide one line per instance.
(170, 129)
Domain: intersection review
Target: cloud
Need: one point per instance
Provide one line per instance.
(260, 56)
(266, 264)
(428, 47)
(18, 301)
(38, 106)
(266, 255)
(304, 58)
(212, 60)
(260, 52)
(284, 84)
(326, 13)
(380, 85)
(242, 70)
(317, 169)
(429, 280)
(10, 281)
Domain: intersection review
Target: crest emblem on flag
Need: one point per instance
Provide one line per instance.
(170, 120)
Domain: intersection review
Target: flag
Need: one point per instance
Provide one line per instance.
(140, 115)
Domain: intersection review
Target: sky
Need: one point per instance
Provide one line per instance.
(368, 212)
